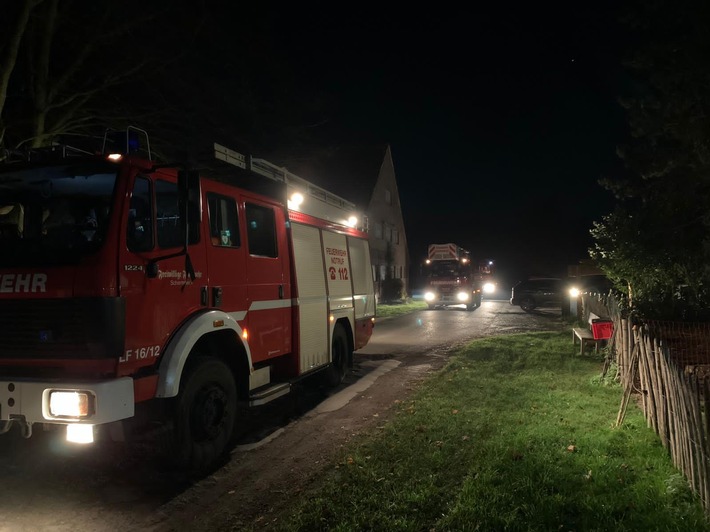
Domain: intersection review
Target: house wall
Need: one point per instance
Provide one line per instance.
(388, 241)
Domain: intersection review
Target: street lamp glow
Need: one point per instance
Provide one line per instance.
(352, 221)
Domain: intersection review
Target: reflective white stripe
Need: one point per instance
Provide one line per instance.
(306, 300)
(239, 315)
(271, 304)
(341, 302)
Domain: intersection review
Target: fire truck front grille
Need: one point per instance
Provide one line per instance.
(82, 328)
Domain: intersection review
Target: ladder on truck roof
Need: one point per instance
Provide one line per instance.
(317, 201)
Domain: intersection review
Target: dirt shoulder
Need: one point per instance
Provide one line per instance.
(257, 485)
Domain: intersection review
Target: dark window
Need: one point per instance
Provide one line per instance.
(378, 230)
(261, 230)
(224, 225)
(139, 233)
(169, 226)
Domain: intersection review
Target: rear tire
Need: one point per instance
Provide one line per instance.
(335, 373)
(203, 417)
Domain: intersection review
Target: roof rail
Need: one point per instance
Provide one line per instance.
(322, 203)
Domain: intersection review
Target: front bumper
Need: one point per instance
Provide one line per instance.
(28, 401)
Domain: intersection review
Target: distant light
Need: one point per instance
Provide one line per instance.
(489, 288)
(462, 296)
(427, 261)
(352, 221)
(490, 263)
(574, 292)
(429, 296)
(115, 156)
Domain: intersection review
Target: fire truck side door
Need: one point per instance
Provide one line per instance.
(156, 306)
(226, 251)
(268, 280)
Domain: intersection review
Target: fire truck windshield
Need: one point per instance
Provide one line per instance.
(54, 214)
(448, 268)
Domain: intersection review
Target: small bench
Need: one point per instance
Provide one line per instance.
(585, 335)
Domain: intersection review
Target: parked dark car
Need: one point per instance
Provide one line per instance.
(533, 293)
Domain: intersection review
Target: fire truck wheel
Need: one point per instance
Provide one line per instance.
(204, 416)
(335, 374)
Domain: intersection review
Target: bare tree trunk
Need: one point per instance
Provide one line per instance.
(9, 59)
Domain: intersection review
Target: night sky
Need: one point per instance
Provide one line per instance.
(501, 120)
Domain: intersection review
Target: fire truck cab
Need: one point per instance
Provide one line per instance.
(451, 278)
(126, 286)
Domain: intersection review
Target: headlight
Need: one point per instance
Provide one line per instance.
(489, 288)
(462, 296)
(72, 404)
(574, 292)
(429, 296)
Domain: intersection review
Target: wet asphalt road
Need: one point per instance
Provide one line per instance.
(427, 329)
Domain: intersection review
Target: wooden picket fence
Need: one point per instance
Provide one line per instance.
(665, 366)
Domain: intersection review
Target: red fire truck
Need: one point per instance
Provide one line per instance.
(451, 278)
(127, 287)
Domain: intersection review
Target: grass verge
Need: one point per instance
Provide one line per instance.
(388, 311)
(514, 434)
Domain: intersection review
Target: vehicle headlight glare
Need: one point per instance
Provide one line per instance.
(70, 404)
(77, 433)
(429, 296)
(462, 296)
(489, 288)
(574, 292)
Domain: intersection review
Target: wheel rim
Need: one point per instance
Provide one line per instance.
(209, 413)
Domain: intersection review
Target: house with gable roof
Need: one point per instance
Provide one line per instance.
(388, 239)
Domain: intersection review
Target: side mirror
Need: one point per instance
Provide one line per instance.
(189, 201)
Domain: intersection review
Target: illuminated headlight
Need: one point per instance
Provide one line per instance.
(71, 404)
(462, 296)
(77, 433)
(489, 288)
(429, 296)
(574, 292)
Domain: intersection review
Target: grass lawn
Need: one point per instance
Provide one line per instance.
(516, 433)
(388, 311)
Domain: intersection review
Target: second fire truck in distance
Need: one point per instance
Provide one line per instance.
(452, 278)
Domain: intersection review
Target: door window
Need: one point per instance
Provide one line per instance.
(169, 225)
(224, 225)
(139, 233)
(261, 230)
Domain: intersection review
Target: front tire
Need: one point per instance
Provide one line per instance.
(528, 304)
(204, 416)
